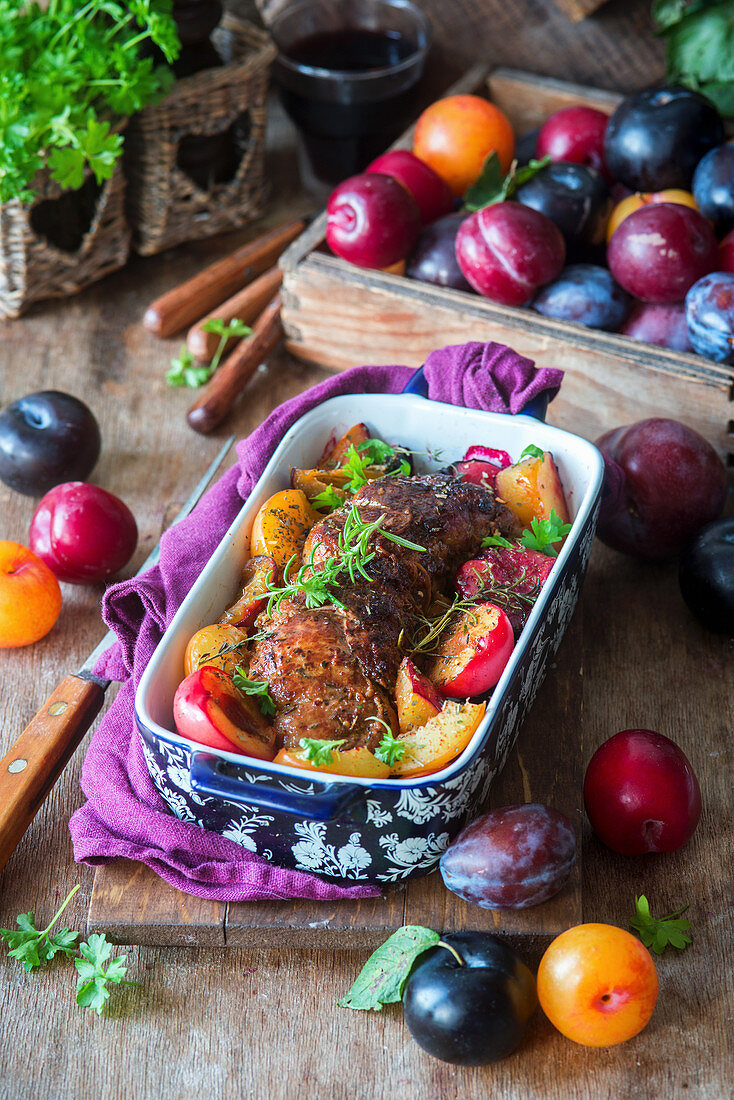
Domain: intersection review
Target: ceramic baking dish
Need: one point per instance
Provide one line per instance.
(344, 827)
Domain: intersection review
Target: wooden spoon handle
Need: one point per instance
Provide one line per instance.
(34, 763)
(197, 296)
(219, 395)
(246, 305)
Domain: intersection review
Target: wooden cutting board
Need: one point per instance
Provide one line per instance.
(133, 906)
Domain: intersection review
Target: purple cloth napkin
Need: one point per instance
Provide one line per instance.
(124, 816)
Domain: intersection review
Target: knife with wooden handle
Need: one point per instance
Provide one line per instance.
(198, 296)
(246, 306)
(219, 395)
(29, 770)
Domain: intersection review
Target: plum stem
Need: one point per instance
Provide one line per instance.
(454, 952)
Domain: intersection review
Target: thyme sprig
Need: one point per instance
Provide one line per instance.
(318, 581)
(430, 628)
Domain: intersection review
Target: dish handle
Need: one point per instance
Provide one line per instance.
(211, 775)
(538, 407)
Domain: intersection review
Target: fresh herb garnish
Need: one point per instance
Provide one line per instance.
(661, 932)
(700, 46)
(497, 540)
(259, 688)
(184, 370)
(361, 461)
(492, 186)
(531, 451)
(382, 978)
(66, 70)
(430, 629)
(545, 533)
(319, 751)
(328, 500)
(390, 750)
(34, 948)
(318, 581)
(95, 972)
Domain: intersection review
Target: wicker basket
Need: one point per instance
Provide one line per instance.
(165, 205)
(32, 267)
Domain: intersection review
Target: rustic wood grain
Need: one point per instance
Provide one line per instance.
(608, 380)
(254, 1024)
(136, 907)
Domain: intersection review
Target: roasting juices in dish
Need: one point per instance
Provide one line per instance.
(377, 608)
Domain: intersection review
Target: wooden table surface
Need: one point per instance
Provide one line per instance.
(234, 1022)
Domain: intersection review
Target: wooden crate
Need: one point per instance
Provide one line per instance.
(340, 315)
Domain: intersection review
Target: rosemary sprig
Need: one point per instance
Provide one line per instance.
(318, 581)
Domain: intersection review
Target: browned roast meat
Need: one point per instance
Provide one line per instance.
(332, 671)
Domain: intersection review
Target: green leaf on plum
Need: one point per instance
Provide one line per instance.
(492, 186)
(390, 750)
(531, 451)
(659, 933)
(545, 533)
(382, 978)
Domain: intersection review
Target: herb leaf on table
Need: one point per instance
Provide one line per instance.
(34, 948)
(657, 934)
(96, 971)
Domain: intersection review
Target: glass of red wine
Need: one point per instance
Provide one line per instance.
(347, 71)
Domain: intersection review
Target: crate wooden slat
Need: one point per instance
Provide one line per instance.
(132, 905)
(340, 316)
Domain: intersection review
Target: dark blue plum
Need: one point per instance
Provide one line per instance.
(525, 147)
(713, 187)
(433, 260)
(576, 198)
(710, 316)
(586, 294)
(656, 137)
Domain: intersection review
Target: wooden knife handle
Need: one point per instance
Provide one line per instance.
(193, 299)
(34, 763)
(220, 394)
(246, 305)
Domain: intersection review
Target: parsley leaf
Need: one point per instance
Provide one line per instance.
(34, 948)
(232, 331)
(184, 371)
(91, 984)
(382, 978)
(258, 688)
(319, 751)
(658, 933)
(545, 533)
(492, 186)
(531, 451)
(66, 70)
(390, 750)
(328, 499)
(496, 540)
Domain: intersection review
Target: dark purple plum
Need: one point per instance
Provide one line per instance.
(511, 858)
(525, 147)
(710, 316)
(468, 1000)
(575, 198)
(433, 260)
(46, 438)
(713, 187)
(660, 250)
(664, 325)
(586, 294)
(656, 137)
(706, 576)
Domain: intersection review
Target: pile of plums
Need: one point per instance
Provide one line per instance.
(629, 228)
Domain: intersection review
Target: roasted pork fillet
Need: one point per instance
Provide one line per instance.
(332, 671)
